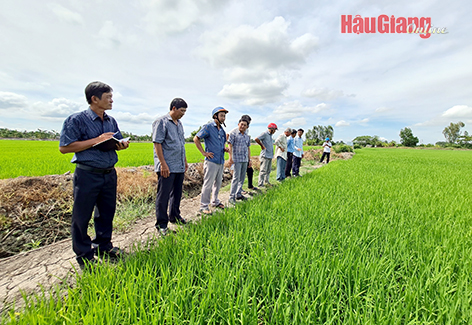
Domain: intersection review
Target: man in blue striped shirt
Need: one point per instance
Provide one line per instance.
(215, 138)
(95, 176)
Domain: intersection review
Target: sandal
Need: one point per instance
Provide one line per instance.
(205, 211)
(221, 206)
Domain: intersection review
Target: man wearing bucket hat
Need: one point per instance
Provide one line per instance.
(326, 151)
(215, 138)
(267, 145)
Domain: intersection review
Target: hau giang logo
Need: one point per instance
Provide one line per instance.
(390, 25)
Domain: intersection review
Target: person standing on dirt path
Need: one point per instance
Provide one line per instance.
(249, 170)
(326, 151)
(95, 177)
(170, 164)
(298, 153)
(215, 138)
(267, 153)
(281, 153)
(239, 144)
(290, 150)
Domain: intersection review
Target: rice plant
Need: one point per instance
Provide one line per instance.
(384, 238)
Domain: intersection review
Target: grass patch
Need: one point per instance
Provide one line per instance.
(384, 238)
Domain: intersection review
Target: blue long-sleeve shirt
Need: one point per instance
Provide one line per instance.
(298, 144)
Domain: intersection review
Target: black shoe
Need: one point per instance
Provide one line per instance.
(86, 263)
(114, 252)
(163, 231)
(179, 220)
(241, 198)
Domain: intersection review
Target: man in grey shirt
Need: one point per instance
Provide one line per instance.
(170, 164)
(267, 145)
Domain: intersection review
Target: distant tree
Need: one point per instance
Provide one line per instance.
(318, 134)
(453, 131)
(365, 140)
(192, 135)
(134, 137)
(407, 138)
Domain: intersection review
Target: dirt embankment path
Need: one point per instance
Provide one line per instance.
(55, 265)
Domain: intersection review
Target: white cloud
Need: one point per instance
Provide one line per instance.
(268, 46)
(66, 15)
(342, 123)
(127, 117)
(296, 122)
(260, 93)
(11, 100)
(454, 114)
(366, 120)
(257, 60)
(324, 94)
(383, 109)
(57, 108)
(295, 109)
(109, 37)
(459, 111)
(174, 16)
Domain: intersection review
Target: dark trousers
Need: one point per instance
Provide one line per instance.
(250, 174)
(93, 190)
(169, 191)
(297, 161)
(325, 154)
(288, 167)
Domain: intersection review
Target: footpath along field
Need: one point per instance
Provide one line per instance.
(383, 238)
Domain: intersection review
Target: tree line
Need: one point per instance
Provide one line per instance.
(54, 135)
(314, 136)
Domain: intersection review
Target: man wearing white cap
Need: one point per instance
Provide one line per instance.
(215, 138)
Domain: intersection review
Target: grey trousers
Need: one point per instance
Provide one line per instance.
(212, 178)
(239, 174)
(264, 173)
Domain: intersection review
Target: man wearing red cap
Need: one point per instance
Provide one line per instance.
(267, 145)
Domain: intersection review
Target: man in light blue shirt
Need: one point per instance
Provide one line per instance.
(215, 138)
(290, 150)
(298, 153)
(267, 153)
(170, 164)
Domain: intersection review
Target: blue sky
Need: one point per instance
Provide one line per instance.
(279, 61)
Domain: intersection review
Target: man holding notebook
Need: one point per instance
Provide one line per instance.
(95, 176)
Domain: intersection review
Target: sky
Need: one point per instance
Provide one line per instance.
(285, 62)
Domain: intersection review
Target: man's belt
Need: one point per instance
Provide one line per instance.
(95, 170)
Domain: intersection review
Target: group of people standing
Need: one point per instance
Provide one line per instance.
(95, 179)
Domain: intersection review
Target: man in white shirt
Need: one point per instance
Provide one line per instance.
(326, 151)
(281, 153)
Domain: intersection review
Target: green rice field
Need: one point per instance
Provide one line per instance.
(383, 238)
(39, 158)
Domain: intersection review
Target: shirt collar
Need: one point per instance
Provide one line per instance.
(93, 116)
(170, 118)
